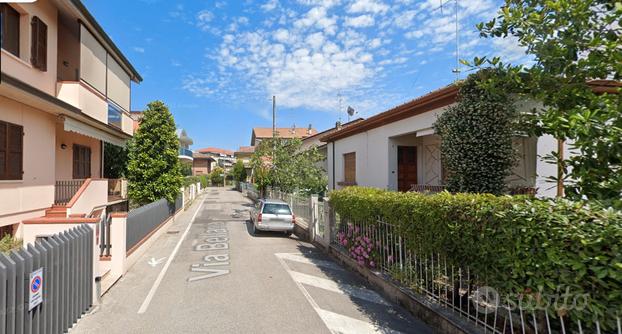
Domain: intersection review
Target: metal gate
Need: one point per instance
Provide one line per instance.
(66, 260)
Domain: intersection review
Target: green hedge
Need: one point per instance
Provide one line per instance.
(514, 244)
(188, 180)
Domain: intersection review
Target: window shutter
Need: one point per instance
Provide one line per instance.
(10, 29)
(39, 33)
(3, 149)
(14, 156)
(349, 160)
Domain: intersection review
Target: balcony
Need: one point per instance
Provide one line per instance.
(185, 154)
(66, 190)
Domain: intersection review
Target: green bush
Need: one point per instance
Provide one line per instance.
(217, 176)
(8, 243)
(188, 180)
(204, 180)
(514, 244)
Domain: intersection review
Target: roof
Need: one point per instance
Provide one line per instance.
(246, 149)
(215, 150)
(333, 129)
(436, 99)
(284, 132)
(135, 76)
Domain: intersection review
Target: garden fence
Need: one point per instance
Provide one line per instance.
(145, 219)
(380, 246)
(66, 260)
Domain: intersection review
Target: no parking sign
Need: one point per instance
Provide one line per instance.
(35, 289)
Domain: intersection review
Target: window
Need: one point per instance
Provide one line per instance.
(349, 168)
(39, 46)
(276, 209)
(11, 151)
(9, 29)
(81, 162)
(114, 115)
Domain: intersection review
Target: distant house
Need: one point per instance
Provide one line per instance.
(315, 141)
(202, 163)
(244, 153)
(260, 134)
(222, 158)
(399, 150)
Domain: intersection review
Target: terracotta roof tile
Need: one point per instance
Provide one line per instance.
(215, 150)
(284, 132)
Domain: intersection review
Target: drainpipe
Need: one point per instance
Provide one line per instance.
(333, 165)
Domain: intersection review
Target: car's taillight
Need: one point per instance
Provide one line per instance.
(259, 218)
(293, 219)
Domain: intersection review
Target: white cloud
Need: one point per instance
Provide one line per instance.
(360, 21)
(139, 49)
(270, 5)
(368, 6)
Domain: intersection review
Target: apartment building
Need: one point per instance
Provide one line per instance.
(65, 90)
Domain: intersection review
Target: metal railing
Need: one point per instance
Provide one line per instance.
(143, 220)
(64, 190)
(301, 205)
(380, 246)
(426, 188)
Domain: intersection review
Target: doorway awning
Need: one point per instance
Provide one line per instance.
(73, 125)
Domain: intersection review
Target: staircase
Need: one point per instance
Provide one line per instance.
(56, 211)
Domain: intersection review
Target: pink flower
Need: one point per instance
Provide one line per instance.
(372, 264)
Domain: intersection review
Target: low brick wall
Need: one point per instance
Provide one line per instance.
(440, 319)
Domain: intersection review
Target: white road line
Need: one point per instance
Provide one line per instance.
(344, 289)
(297, 257)
(336, 323)
(156, 284)
(339, 323)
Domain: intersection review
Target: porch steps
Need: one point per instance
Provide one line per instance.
(56, 211)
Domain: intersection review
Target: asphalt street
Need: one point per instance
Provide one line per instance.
(210, 275)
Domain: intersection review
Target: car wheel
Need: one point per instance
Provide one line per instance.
(253, 229)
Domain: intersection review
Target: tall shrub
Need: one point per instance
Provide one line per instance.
(239, 171)
(154, 170)
(476, 138)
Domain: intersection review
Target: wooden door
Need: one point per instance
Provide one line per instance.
(406, 167)
(81, 162)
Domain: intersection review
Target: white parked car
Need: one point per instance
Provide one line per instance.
(272, 215)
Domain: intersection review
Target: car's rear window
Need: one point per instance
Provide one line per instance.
(276, 209)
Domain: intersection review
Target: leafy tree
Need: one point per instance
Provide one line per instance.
(115, 161)
(571, 42)
(476, 134)
(239, 171)
(217, 176)
(154, 170)
(282, 163)
(186, 169)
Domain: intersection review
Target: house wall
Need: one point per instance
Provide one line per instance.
(200, 166)
(21, 67)
(64, 158)
(27, 198)
(376, 155)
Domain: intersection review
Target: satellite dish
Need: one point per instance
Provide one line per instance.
(351, 111)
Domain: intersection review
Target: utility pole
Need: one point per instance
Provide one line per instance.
(273, 116)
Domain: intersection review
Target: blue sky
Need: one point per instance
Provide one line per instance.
(216, 64)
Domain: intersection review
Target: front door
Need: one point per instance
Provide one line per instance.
(406, 167)
(81, 162)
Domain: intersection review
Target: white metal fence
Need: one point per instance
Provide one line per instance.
(379, 246)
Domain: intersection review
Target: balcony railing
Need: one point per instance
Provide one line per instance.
(184, 152)
(64, 190)
(426, 188)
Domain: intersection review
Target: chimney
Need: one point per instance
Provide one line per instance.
(309, 129)
(294, 129)
(338, 125)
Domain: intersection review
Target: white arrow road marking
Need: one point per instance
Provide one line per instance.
(297, 257)
(153, 262)
(156, 284)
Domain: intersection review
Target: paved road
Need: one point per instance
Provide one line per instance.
(224, 280)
